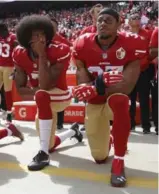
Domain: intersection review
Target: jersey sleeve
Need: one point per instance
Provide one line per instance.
(78, 51)
(139, 50)
(17, 54)
(65, 41)
(64, 54)
(59, 53)
(154, 39)
(85, 30)
(138, 47)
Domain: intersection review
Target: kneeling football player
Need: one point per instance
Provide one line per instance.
(107, 71)
(44, 64)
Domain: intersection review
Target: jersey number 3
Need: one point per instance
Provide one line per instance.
(4, 50)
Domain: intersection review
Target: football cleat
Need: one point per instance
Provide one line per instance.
(40, 161)
(118, 178)
(78, 135)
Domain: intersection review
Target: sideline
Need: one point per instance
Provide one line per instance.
(82, 174)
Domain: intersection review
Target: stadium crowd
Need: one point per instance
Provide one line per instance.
(73, 20)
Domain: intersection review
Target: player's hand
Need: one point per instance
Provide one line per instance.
(112, 77)
(39, 46)
(84, 92)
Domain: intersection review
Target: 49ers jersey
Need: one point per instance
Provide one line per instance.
(56, 54)
(6, 49)
(127, 48)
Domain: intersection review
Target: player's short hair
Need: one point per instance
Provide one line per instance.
(30, 23)
(111, 12)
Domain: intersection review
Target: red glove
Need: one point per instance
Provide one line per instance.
(84, 92)
(112, 77)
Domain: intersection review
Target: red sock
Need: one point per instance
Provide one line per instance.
(9, 101)
(57, 143)
(3, 133)
(121, 125)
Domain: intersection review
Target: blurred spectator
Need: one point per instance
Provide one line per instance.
(142, 87)
(154, 88)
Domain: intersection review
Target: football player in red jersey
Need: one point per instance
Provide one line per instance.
(142, 87)
(154, 92)
(45, 64)
(154, 44)
(7, 44)
(107, 71)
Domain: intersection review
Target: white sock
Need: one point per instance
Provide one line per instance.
(45, 132)
(9, 132)
(67, 134)
(118, 157)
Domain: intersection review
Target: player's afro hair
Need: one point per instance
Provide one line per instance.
(30, 23)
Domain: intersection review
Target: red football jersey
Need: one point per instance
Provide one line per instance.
(145, 61)
(61, 39)
(154, 44)
(89, 29)
(154, 39)
(127, 48)
(144, 34)
(55, 53)
(6, 49)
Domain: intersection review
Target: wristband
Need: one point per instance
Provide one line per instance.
(100, 85)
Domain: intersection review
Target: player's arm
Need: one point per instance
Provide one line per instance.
(130, 76)
(49, 73)
(153, 53)
(82, 74)
(21, 79)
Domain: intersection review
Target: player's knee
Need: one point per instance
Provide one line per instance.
(117, 101)
(42, 98)
(99, 158)
(100, 161)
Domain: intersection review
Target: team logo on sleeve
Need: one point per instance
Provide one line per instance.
(120, 53)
